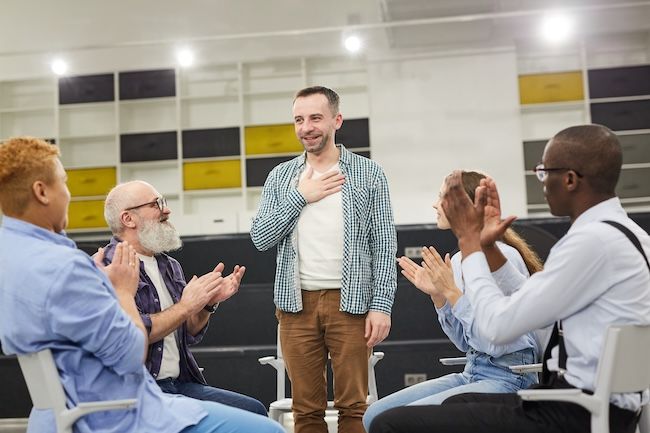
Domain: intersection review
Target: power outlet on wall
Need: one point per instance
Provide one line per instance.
(413, 378)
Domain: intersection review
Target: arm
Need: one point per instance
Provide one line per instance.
(275, 219)
(83, 307)
(572, 279)
(383, 248)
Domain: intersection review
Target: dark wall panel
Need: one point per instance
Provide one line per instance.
(354, 133)
(616, 82)
(147, 84)
(86, 88)
(154, 146)
(257, 169)
(622, 116)
(203, 143)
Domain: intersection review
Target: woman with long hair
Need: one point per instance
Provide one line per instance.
(487, 368)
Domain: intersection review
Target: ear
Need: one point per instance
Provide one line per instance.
(571, 180)
(127, 220)
(339, 120)
(39, 189)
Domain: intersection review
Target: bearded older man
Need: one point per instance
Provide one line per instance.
(175, 313)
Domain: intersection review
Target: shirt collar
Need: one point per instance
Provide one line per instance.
(37, 232)
(344, 156)
(604, 209)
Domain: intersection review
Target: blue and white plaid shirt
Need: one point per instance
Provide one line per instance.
(369, 274)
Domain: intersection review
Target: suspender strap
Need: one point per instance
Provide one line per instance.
(557, 337)
(627, 232)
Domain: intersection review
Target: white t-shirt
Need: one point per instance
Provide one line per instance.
(170, 366)
(320, 240)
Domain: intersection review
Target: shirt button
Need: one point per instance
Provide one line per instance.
(155, 375)
(159, 349)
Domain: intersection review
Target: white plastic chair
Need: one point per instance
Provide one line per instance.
(46, 391)
(282, 404)
(624, 367)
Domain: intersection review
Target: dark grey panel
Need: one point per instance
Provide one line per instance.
(636, 148)
(354, 133)
(634, 182)
(148, 147)
(86, 88)
(147, 84)
(534, 190)
(622, 116)
(257, 169)
(533, 151)
(614, 82)
(202, 143)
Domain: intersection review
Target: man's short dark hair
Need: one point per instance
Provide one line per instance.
(331, 95)
(595, 152)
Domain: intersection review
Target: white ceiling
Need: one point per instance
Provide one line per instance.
(36, 27)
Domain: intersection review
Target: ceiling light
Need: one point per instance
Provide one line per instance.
(556, 27)
(59, 66)
(352, 43)
(185, 57)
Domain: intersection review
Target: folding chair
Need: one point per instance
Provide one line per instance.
(46, 391)
(282, 404)
(520, 369)
(624, 367)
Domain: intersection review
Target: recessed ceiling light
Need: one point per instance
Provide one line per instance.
(352, 43)
(59, 66)
(185, 57)
(556, 27)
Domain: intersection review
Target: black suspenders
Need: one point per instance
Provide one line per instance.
(557, 336)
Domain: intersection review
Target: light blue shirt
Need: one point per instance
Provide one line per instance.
(594, 277)
(369, 272)
(52, 296)
(458, 321)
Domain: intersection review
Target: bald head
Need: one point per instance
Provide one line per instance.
(591, 150)
(123, 196)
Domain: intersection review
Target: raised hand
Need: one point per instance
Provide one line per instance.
(493, 226)
(124, 270)
(230, 285)
(465, 217)
(418, 276)
(314, 190)
(440, 274)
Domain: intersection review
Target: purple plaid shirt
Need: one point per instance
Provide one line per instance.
(148, 303)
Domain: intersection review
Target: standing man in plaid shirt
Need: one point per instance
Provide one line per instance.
(329, 213)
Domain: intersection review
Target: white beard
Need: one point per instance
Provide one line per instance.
(159, 236)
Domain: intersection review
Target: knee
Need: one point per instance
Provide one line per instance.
(384, 422)
(257, 407)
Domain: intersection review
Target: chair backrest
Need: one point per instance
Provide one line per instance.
(43, 382)
(625, 362)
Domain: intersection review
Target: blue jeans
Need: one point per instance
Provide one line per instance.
(226, 419)
(207, 393)
(483, 373)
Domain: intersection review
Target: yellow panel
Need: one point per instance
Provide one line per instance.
(271, 139)
(86, 214)
(540, 88)
(91, 181)
(212, 174)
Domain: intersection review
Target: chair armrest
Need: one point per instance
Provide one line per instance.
(69, 416)
(266, 360)
(573, 395)
(274, 362)
(526, 368)
(453, 361)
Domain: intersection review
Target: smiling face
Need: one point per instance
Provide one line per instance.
(314, 122)
(60, 197)
(555, 193)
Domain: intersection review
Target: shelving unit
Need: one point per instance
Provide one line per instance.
(205, 137)
(600, 90)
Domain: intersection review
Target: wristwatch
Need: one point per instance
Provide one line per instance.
(211, 308)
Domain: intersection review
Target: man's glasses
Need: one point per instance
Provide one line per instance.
(160, 202)
(541, 172)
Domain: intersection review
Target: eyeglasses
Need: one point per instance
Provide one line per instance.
(541, 172)
(160, 202)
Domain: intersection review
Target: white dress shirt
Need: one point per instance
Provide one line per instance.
(594, 277)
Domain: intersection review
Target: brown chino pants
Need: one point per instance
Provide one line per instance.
(306, 338)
